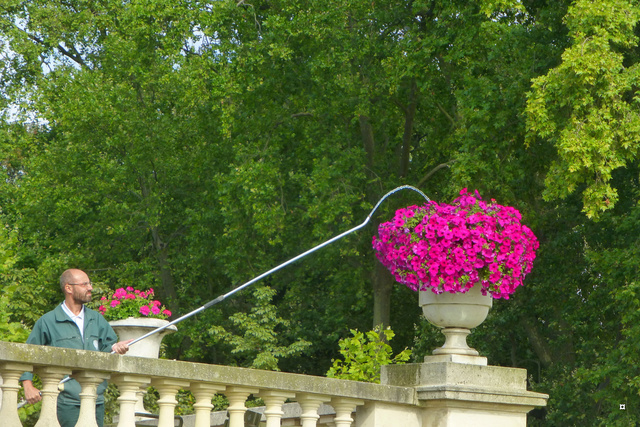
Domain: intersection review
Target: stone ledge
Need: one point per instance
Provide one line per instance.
(463, 396)
(199, 372)
(457, 358)
(39, 355)
(455, 374)
(233, 376)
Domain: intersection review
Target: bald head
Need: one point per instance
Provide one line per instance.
(71, 276)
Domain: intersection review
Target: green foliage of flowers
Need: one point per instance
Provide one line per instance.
(364, 354)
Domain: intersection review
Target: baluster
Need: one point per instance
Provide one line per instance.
(273, 400)
(309, 403)
(167, 388)
(344, 408)
(89, 381)
(129, 387)
(237, 396)
(11, 373)
(203, 393)
(50, 377)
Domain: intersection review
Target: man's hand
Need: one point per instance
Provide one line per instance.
(31, 394)
(121, 347)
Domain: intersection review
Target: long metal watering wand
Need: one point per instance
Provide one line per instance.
(273, 270)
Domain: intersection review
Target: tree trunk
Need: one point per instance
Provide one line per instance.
(381, 279)
(367, 140)
(383, 283)
(409, 116)
(167, 288)
(538, 342)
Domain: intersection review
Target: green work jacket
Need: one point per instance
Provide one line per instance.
(56, 329)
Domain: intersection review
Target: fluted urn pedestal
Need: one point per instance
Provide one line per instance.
(456, 314)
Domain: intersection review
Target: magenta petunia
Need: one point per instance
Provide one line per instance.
(129, 302)
(449, 248)
(120, 293)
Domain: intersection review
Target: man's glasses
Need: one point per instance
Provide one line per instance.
(84, 285)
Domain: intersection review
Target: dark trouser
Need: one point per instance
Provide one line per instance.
(68, 414)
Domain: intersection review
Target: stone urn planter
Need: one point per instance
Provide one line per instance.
(459, 256)
(456, 314)
(135, 327)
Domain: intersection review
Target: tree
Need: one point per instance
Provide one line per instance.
(258, 338)
(587, 107)
(9, 330)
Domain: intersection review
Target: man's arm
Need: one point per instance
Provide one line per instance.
(121, 347)
(110, 339)
(31, 393)
(38, 337)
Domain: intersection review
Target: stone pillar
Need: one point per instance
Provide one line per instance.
(50, 377)
(273, 401)
(309, 403)
(383, 414)
(203, 393)
(237, 396)
(89, 381)
(139, 406)
(167, 388)
(344, 408)
(11, 373)
(129, 387)
(454, 394)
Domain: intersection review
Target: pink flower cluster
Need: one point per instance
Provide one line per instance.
(129, 302)
(450, 248)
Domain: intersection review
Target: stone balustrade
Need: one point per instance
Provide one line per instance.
(439, 392)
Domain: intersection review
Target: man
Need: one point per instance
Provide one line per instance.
(72, 325)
